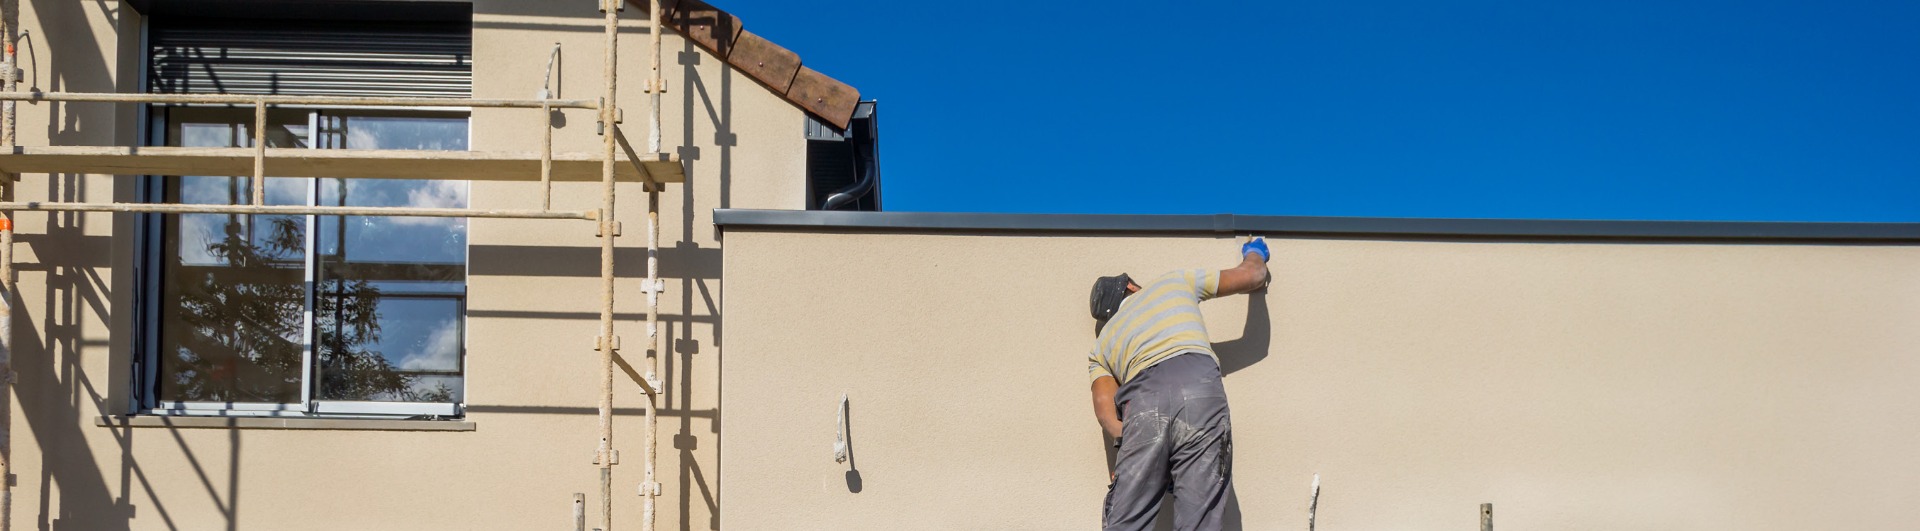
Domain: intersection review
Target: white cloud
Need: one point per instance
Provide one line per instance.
(439, 194)
(435, 194)
(442, 349)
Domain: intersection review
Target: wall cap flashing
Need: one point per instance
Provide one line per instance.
(279, 423)
(1359, 227)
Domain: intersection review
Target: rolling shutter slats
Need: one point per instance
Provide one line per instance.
(303, 58)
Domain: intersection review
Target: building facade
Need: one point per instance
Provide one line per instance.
(208, 371)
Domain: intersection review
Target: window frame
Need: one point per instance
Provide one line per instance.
(150, 254)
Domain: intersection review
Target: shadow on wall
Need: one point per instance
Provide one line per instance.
(683, 260)
(696, 268)
(57, 398)
(1255, 339)
(706, 101)
(716, 108)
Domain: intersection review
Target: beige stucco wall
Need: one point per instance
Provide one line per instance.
(1574, 385)
(532, 376)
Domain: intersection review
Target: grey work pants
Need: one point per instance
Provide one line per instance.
(1175, 429)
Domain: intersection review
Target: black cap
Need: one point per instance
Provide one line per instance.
(1107, 294)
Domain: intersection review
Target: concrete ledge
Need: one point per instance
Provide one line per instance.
(280, 423)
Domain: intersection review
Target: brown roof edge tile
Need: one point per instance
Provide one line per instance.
(775, 67)
(705, 25)
(825, 97)
(765, 61)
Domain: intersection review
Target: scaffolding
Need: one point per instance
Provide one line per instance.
(617, 161)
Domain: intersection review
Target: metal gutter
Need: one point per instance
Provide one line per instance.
(1526, 229)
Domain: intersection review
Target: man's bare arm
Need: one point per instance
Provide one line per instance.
(1250, 275)
(1103, 408)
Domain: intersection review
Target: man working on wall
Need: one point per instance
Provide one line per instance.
(1170, 415)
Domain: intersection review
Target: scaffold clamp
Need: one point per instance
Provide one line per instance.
(598, 455)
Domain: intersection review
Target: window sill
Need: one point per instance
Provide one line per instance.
(280, 423)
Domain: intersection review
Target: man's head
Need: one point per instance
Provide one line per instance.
(1107, 294)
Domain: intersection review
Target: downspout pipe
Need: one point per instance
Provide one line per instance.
(846, 196)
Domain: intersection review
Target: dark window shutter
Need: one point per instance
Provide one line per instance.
(294, 57)
(844, 162)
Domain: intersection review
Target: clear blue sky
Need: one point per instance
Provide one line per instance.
(1682, 109)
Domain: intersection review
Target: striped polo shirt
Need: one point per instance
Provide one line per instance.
(1162, 320)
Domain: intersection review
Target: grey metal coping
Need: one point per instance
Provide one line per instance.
(1323, 226)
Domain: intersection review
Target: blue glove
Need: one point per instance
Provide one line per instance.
(1258, 245)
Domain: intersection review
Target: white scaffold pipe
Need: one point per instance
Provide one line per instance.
(609, 111)
(295, 210)
(840, 432)
(1313, 503)
(343, 101)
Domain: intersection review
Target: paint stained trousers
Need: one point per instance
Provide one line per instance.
(1175, 432)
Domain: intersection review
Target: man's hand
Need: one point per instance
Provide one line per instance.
(1256, 245)
(1251, 274)
(1104, 410)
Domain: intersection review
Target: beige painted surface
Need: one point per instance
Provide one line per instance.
(1573, 385)
(1577, 386)
(532, 375)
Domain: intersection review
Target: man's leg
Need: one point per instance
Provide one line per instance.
(1140, 469)
(1202, 464)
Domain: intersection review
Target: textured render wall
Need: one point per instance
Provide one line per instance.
(534, 308)
(1574, 385)
(69, 474)
(532, 377)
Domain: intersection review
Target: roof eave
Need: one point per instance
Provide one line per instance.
(774, 67)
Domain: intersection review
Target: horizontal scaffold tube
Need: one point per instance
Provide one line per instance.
(243, 99)
(292, 210)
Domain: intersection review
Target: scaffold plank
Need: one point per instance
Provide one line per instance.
(345, 163)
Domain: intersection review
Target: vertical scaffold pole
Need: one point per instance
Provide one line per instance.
(259, 152)
(657, 85)
(650, 489)
(546, 157)
(608, 113)
(579, 511)
(9, 25)
(8, 296)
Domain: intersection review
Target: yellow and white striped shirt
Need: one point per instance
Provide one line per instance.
(1162, 320)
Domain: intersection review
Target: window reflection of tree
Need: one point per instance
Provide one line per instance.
(239, 312)
(251, 321)
(349, 369)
